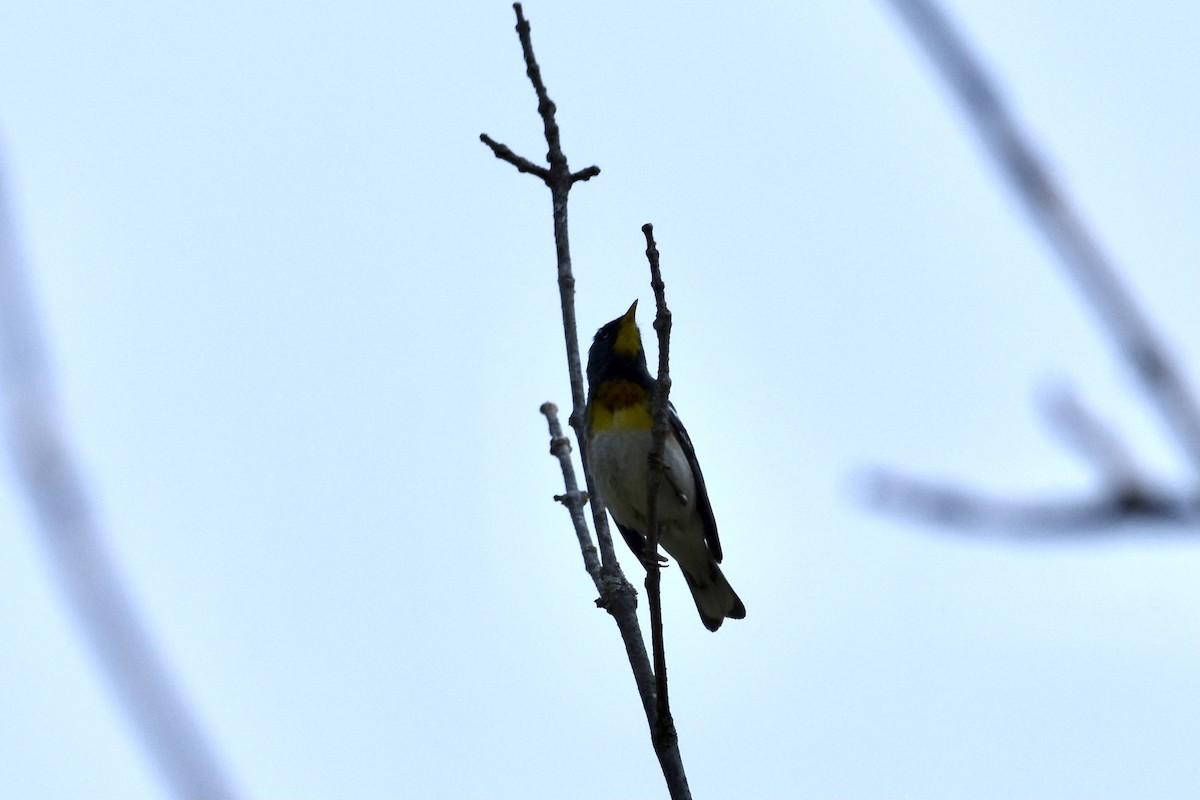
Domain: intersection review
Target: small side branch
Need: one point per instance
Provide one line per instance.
(505, 153)
(587, 173)
(573, 499)
(1093, 440)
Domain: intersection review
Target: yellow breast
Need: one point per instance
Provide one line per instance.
(620, 405)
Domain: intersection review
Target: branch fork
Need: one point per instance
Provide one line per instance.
(616, 594)
(1126, 494)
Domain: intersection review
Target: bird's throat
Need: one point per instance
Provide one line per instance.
(620, 405)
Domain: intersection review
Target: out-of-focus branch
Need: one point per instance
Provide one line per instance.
(1093, 440)
(45, 468)
(1125, 494)
(1128, 496)
(942, 503)
(1052, 212)
(617, 595)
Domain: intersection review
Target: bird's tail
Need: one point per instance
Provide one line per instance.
(715, 598)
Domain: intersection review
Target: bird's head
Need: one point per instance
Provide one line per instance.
(617, 351)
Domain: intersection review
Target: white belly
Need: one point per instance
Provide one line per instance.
(619, 460)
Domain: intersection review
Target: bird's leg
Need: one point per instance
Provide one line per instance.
(648, 559)
(648, 563)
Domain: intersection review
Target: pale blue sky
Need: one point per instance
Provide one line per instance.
(303, 321)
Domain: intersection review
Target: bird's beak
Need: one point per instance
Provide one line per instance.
(629, 341)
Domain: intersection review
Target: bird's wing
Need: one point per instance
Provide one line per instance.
(635, 540)
(702, 504)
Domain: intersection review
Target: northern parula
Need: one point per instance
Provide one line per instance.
(618, 447)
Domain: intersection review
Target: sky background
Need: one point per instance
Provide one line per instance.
(302, 321)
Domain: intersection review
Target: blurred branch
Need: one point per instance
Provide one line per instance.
(1128, 496)
(43, 461)
(941, 503)
(617, 595)
(1093, 440)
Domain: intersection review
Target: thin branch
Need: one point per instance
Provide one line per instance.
(1051, 211)
(559, 179)
(54, 484)
(617, 595)
(587, 173)
(665, 724)
(574, 500)
(1092, 439)
(505, 153)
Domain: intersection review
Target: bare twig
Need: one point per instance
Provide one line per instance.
(574, 500)
(617, 595)
(1129, 496)
(665, 724)
(1092, 439)
(504, 153)
(559, 179)
(619, 601)
(54, 484)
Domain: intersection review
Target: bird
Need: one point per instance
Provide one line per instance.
(617, 448)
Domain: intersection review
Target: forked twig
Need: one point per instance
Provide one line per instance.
(617, 595)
